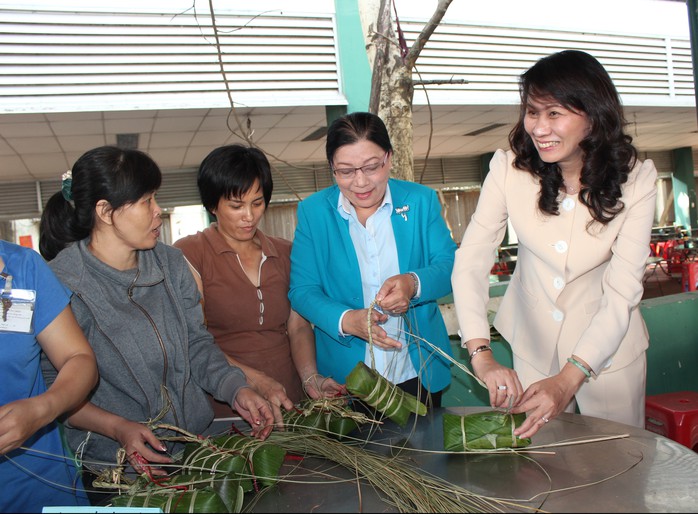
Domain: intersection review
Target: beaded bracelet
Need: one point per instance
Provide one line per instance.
(483, 348)
(581, 366)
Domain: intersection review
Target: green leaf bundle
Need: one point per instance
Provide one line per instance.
(329, 422)
(482, 431)
(264, 459)
(173, 500)
(200, 458)
(381, 394)
(227, 486)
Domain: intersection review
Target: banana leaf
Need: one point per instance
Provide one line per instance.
(169, 500)
(328, 422)
(482, 430)
(199, 458)
(230, 491)
(227, 486)
(381, 394)
(263, 460)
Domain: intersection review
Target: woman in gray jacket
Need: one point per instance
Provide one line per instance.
(138, 304)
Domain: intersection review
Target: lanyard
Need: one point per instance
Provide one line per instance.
(6, 295)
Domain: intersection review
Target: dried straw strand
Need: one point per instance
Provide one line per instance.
(404, 486)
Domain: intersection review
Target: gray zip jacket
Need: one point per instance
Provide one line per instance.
(147, 329)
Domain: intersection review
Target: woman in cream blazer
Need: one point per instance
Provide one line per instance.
(571, 310)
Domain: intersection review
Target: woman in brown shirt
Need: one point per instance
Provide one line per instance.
(243, 276)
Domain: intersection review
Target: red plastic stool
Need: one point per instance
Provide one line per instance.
(674, 415)
(689, 276)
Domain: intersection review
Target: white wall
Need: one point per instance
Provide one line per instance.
(653, 17)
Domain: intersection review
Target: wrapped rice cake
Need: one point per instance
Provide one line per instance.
(482, 431)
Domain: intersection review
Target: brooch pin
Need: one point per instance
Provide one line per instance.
(402, 211)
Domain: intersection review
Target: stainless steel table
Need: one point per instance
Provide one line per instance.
(643, 472)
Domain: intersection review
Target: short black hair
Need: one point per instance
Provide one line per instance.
(230, 171)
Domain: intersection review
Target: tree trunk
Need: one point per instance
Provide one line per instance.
(395, 109)
(392, 86)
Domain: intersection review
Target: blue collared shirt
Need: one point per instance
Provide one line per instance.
(376, 251)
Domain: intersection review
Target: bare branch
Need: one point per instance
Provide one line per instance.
(243, 132)
(449, 81)
(426, 33)
(383, 26)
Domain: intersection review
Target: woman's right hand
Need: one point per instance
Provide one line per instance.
(19, 420)
(502, 382)
(140, 445)
(355, 322)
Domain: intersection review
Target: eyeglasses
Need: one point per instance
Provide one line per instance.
(366, 169)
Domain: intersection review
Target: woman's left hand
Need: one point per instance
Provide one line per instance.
(395, 294)
(272, 391)
(317, 387)
(256, 411)
(544, 400)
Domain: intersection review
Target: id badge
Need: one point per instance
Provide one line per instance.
(17, 311)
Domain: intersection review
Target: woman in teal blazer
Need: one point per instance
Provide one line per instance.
(372, 237)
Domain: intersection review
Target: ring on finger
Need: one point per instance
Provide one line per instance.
(502, 387)
(544, 419)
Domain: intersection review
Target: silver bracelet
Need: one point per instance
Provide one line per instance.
(483, 348)
(416, 282)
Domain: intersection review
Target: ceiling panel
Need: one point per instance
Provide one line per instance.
(37, 147)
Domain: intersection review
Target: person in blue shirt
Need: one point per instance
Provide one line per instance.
(35, 469)
(372, 238)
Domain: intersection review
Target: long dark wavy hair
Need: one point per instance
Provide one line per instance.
(580, 83)
(117, 175)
